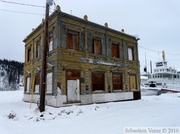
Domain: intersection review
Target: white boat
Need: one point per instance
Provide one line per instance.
(150, 89)
(165, 78)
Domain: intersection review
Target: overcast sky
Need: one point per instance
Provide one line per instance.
(156, 22)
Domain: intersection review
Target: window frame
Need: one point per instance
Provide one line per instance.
(38, 47)
(37, 82)
(97, 83)
(27, 84)
(120, 83)
(29, 53)
(131, 55)
(118, 51)
(51, 40)
(49, 85)
(132, 81)
(74, 43)
(99, 52)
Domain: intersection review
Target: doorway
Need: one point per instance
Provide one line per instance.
(73, 85)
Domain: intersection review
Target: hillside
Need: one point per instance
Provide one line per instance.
(11, 74)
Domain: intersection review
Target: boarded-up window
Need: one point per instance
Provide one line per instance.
(117, 81)
(37, 83)
(51, 41)
(132, 82)
(130, 53)
(49, 82)
(37, 48)
(97, 81)
(97, 46)
(115, 50)
(27, 85)
(72, 40)
(29, 54)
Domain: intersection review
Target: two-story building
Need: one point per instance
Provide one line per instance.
(86, 63)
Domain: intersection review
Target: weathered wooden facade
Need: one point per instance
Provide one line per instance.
(87, 62)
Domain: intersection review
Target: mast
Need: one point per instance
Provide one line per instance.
(163, 55)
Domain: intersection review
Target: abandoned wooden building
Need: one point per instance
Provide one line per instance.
(86, 62)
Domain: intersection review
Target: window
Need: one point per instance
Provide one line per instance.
(29, 54)
(37, 83)
(97, 46)
(49, 82)
(117, 81)
(51, 41)
(73, 40)
(97, 81)
(115, 50)
(27, 84)
(130, 53)
(132, 82)
(37, 48)
(37, 79)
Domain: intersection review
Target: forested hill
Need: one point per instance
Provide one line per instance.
(11, 73)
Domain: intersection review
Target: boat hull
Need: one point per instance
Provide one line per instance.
(150, 91)
(165, 90)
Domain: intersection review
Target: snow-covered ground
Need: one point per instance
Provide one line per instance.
(16, 117)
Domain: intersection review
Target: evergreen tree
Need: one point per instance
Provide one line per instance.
(13, 69)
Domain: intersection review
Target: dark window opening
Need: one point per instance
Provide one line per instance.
(37, 48)
(29, 54)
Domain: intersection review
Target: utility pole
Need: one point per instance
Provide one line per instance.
(44, 59)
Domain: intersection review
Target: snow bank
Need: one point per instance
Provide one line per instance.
(108, 118)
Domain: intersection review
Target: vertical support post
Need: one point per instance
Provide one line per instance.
(146, 63)
(44, 63)
(151, 66)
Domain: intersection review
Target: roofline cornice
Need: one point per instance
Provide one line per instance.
(68, 16)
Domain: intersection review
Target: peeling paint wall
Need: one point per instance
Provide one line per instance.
(61, 58)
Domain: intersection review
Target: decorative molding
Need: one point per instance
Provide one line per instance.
(102, 62)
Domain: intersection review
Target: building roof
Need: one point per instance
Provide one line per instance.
(75, 18)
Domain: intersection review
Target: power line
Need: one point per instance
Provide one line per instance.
(148, 56)
(150, 49)
(13, 11)
(157, 51)
(24, 4)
